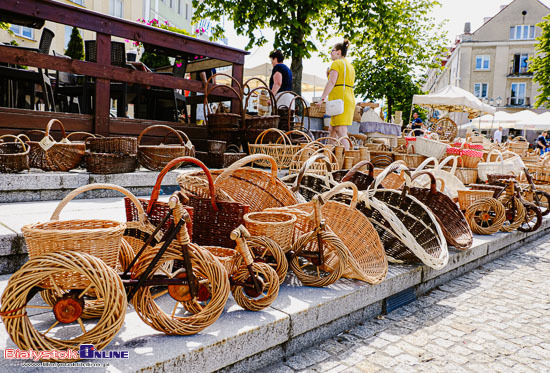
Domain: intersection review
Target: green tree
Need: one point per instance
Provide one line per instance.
(540, 64)
(154, 61)
(394, 67)
(75, 48)
(299, 25)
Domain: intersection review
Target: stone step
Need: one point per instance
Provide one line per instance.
(300, 317)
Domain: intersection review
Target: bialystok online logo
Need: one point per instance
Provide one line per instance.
(84, 352)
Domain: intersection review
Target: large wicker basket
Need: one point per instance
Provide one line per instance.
(155, 157)
(50, 155)
(431, 148)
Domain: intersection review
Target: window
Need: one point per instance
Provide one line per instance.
(23, 31)
(522, 32)
(79, 2)
(186, 11)
(481, 89)
(517, 94)
(115, 8)
(68, 32)
(520, 64)
(179, 6)
(171, 5)
(483, 62)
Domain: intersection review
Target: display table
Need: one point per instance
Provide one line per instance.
(388, 131)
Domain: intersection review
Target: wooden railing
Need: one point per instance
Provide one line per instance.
(105, 27)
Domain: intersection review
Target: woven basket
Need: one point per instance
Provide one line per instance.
(305, 185)
(467, 197)
(116, 145)
(431, 148)
(512, 165)
(286, 123)
(361, 180)
(278, 226)
(281, 152)
(428, 243)
(452, 183)
(453, 223)
(518, 145)
(110, 163)
(411, 160)
(49, 155)
(542, 172)
(392, 179)
(156, 157)
(317, 110)
(190, 148)
(227, 257)
(465, 175)
(14, 156)
(220, 122)
(309, 150)
(98, 237)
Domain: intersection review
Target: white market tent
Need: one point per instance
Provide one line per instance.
(522, 120)
(500, 119)
(539, 123)
(453, 99)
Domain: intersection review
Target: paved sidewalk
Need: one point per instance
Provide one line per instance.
(495, 318)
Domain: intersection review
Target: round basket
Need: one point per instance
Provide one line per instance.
(49, 155)
(110, 163)
(281, 152)
(14, 156)
(155, 157)
(431, 148)
(278, 226)
(117, 145)
(219, 122)
(411, 160)
(467, 197)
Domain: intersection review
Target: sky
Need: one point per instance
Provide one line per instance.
(454, 12)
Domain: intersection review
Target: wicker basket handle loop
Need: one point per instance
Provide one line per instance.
(271, 97)
(249, 159)
(22, 135)
(351, 145)
(17, 138)
(310, 161)
(235, 81)
(182, 134)
(247, 86)
(447, 160)
(174, 162)
(49, 127)
(498, 153)
(338, 188)
(85, 188)
(433, 180)
(301, 133)
(206, 108)
(88, 135)
(356, 168)
(410, 149)
(395, 166)
(260, 138)
(338, 142)
(426, 162)
(418, 129)
(304, 106)
(232, 148)
(160, 126)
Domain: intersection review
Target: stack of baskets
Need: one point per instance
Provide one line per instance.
(219, 155)
(111, 155)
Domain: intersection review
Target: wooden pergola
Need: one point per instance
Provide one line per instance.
(35, 12)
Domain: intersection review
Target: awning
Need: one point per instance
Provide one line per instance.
(453, 98)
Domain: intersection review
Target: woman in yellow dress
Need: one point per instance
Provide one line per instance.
(337, 88)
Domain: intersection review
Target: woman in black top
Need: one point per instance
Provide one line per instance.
(281, 76)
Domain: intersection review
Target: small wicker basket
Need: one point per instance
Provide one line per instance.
(14, 156)
(278, 226)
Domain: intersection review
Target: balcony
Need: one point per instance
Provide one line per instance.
(518, 102)
(519, 72)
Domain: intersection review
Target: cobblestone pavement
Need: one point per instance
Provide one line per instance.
(495, 318)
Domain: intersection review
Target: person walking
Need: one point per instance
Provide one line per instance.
(497, 137)
(417, 125)
(340, 87)
(542, 145)
(281, 79)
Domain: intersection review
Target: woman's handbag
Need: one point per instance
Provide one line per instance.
(336, 107)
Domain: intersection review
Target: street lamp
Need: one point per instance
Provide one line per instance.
(498, 101)
(491, 101)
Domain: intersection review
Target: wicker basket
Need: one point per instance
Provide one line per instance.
(511, 165)
(467, 197)
(361, 180)
(116, 145)
(465, 175)
(542, 172)
(14, 156)
(411, 160)
(518, 145)
(49, 155)
(453, 223)
(282, 152)
(452, 183)
(227, 257)
(317, 110)
(309, 150)
(219, 122)
(156, 157)
(431, 148)
(278, 226)
(110, 163)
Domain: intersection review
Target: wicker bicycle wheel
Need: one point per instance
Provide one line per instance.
(486, 216)
(249, 299)
(31, 328)
(446, 128)
(515, 214)
(533, 218)
(267, 251)
(195, 314)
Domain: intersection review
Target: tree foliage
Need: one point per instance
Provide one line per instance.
(540, 64)
(75, 48)
(393, 58)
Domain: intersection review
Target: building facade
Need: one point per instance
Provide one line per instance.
(493, 61)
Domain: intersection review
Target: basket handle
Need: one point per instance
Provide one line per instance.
(145, 130)
(21, 135)
(442, 183)
(447, 160)
(395, 166)
(499, 155)
(18, 139)
(311, 160)
(88, 135)
(328, 138)
(182, 134)
(206, 107)
(232, 148)
(356, 168)
(249, 159)
(271, 97)
(418, 129)
(348, 140)
(49, 127)
(260, 138)
(426, 162)
(301, 133)
(69, 197)
(227, 76)
(304, 106)
(246, 85)
(331, 193)
(174, 162)
(433, 180)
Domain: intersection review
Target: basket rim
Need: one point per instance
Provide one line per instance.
(291, 217)
(40, 226)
